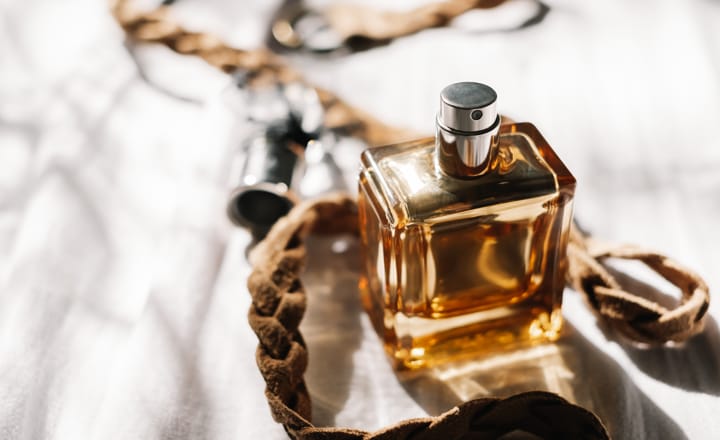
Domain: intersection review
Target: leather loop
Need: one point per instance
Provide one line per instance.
(635, 316)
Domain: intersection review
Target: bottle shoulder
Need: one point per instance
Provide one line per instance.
(407, 180)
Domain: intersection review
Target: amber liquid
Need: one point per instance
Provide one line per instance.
(464, 268)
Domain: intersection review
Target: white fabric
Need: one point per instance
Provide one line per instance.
(123, 301)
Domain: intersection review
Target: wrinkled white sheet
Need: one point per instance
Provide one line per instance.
(122, 285)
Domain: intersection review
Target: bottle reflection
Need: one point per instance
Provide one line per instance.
(547, 367)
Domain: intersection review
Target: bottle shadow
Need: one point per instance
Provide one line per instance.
(668, 363)
(573, 368)
(331, 326)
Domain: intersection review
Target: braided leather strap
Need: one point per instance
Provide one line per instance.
(278, 307)
(263, 66)
(157, 26)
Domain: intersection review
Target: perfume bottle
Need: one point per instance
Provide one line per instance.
(464, 236)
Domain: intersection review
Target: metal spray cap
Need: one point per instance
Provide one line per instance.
(467, 126)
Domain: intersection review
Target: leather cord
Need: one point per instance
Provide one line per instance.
(640, 319)
(262, 66)
(361, 21)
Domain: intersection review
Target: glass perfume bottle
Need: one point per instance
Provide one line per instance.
(464, 236)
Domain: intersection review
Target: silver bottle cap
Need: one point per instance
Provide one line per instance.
(467, 107)
(468, 123)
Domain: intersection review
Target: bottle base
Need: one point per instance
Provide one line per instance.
(414, 342)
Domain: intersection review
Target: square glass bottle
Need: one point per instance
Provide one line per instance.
(464, 236)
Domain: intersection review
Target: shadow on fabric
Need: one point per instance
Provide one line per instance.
(665, 363)
(331, 326)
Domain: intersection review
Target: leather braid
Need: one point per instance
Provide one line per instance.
(279, 304)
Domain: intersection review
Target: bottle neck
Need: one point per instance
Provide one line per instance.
(465, 154)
